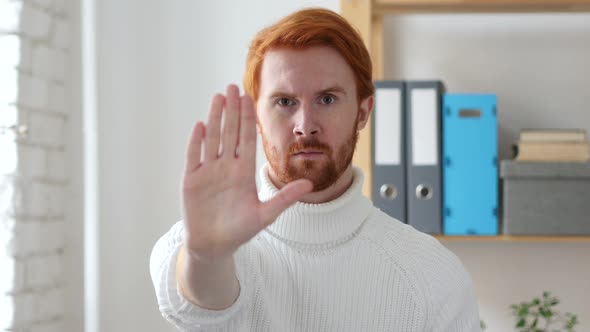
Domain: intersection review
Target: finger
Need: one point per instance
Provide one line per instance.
(231, 121)
(247, 142)
(288, 195)
(193, 151)
(213, 127)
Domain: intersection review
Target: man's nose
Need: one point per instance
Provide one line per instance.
(306, 123)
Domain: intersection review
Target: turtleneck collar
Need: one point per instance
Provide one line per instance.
(323, 224)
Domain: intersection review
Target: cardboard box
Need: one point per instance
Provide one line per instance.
(545, 198)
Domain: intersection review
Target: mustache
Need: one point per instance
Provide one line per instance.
(309, 144)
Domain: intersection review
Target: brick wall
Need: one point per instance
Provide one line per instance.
(34, 52)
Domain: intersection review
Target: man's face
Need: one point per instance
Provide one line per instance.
(309, 115)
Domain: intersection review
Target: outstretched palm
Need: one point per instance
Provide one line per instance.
(220, 204)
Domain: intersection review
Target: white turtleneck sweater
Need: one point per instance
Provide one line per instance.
(338, 266)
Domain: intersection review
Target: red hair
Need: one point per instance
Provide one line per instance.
(304, 29)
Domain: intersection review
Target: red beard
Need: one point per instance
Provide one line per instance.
(322, 173)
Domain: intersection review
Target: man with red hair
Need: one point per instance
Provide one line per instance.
(308, 252)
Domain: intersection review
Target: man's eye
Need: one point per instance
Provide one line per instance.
(327, 99)
(285, 102)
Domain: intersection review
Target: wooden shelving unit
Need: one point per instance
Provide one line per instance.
(514, 238)
(367, 16)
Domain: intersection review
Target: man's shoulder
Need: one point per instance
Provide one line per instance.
(389, 231)
(402, 241)
(423, 259)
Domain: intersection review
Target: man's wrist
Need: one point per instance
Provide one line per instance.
(205, 258)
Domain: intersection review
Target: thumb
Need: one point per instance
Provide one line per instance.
(288, 195)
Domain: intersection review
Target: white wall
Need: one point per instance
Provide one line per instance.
(539, 66)
(159, 63)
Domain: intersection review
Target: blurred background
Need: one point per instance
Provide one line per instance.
(97, 99)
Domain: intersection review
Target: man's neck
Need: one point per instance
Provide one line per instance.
(329, 194)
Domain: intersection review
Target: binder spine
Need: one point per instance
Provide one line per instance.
(388, 149)
(424, 169)
(470, 168)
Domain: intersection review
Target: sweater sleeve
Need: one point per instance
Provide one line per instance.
(186, 316)
(452, 300)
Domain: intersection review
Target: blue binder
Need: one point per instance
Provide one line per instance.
(470, 166)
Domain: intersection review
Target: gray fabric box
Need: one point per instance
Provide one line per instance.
(546, 198)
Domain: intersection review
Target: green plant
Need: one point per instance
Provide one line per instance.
(540, 315)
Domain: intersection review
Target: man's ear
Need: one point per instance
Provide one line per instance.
(365, 110)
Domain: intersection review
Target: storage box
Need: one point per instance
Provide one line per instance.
(546, 198)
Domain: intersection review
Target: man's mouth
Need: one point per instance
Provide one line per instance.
(308, 154)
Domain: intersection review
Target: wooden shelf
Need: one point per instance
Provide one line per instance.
(367, 17)
(388, 7)
(515, 238)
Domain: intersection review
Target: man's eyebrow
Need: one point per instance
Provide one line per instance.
(332, 89)
(281, 94)
(335, 88)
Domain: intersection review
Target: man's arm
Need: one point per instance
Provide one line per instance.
(211, 285)
(451, 297)
(193, 266)
(220, 201)
(176, 307)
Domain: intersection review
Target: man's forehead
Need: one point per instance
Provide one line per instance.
(314, 69)
(288, 58)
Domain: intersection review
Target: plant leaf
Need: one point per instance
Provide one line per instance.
(545, 312)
